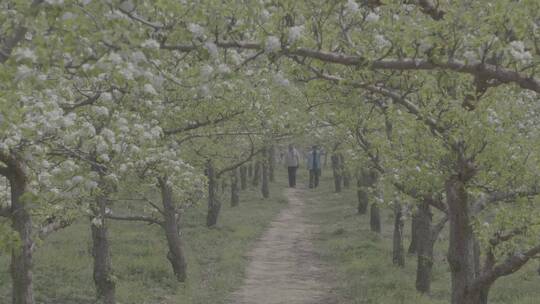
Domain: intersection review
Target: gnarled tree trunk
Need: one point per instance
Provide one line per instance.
(414, 234)
(250, 170)
(375, 218)
(345, 173)
(172, 232)
(256, 174)
(214, 204)
(336, 169)
(101, 252)
(424, 246)
(271, 164)
(265, 189)
(398, 251)
(21, 257)
(362, 182)
(461, 243)
(235, 191)
(243, 177)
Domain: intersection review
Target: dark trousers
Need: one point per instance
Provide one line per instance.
(314, 178)
(292, 176)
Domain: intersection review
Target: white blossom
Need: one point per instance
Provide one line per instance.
(295, 33)
(23, 72)
(272, 44)
(149, 89)
(101, 111)
(25, 53)
(352, 6)
(150, 44)
(55, 2)
(224, 69)
(115, 58)
(381, 41)
(196, 30)
(517, 50)
(372, 17)
(212, 49)
(206, 70)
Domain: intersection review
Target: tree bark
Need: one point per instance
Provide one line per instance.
(424, 245)
(223, 185)
(256, 174)
(265, 189)
(461, 243)
(337, 173)
(235, 191)
(362, 182)
(272, 164)
(346, 175)
(214, 204)
(21, 257)
(250, 170)
(375, 218)
(243, 177)
(103, 275)
(172, 232)
(414, 234)
(398, 251)
(363, 200)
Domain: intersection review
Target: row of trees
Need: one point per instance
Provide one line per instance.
(434, 101)
(96, 113)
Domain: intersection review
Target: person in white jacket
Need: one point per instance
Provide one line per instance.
(292, 160)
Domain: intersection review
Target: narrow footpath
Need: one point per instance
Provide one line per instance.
(284, 268)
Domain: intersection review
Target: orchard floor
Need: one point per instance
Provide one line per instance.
(284, 267)
(361, 260)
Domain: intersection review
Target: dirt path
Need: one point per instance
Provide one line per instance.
(284, 268)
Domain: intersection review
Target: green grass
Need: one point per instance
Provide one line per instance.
(216, 257)
(362, 262)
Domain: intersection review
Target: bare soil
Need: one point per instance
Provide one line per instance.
(284, 267)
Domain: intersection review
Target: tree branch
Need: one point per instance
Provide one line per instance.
(510, 265)
(18, 34)
(200, 124)
(147, 219)
(482, 70)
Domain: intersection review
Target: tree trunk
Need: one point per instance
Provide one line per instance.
(265, 189)
(21, 257)
(172, 231)
(414, 234)
(398, 251)
(346, 175)
(214, 205)
(243, 177)
(272, 164)
(103, 276)
(250, 170)
(337, 173)
(461, 243)
(223, 185)
(362, 183)
(363, 200)
(375, 218)
(235, 191)
(424, 246)
(256, 174)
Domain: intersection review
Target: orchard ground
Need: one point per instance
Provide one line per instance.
(357, 262)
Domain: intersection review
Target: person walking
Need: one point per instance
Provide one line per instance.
(314, 166)
(292, 160)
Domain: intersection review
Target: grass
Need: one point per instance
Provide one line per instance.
(362, 262)
(216, 257)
